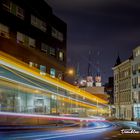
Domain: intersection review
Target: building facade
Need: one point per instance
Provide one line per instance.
(30, 32)
(122, 90)
(136, 83)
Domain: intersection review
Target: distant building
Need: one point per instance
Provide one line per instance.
(98, 81)
(98, 91)
(127, 87)
(30, 32)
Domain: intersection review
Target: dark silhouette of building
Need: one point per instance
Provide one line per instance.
(29, 31)
(109, 89)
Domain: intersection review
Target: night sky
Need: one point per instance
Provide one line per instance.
(106, 27)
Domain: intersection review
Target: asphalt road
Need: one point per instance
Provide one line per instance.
(93, 132)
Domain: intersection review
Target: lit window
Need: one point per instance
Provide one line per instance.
(138, 80)
(60, 36)
(42, 70)
(52, 51)
(61, 56)
(20, 38)
(56, 34)
(31, 42)
(38, 23)
(4, 31)
(52, 72)
(31, 64)
(44, 47)
(25, 40)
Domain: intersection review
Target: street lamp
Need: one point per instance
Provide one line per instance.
(61, 74)
(70, 72)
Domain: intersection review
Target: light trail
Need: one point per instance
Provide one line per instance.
(65, 133)
(64, 98)
(22, 67)
(50, 117)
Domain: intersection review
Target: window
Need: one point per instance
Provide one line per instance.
(20, 38)
(52, 51)
(43, 26)
(31, 42)
(13, 9)
(33, 20)
(56, 34)
(52, 72)
(137, 52)
(126, 73)
(38, 23)
(139, 67)
(20, 12)
(61, 56)
(138, 79)
(6, 5)
(60, 36)
(44, 47)
(137, 112)
(4, 31)
(42, 70)
(25, 40)
(31, 64)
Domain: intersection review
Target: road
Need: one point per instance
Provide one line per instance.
(112, 132)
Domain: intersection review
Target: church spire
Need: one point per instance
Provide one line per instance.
(118, 61)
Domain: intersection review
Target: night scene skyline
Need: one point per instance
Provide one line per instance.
(42, 97)
(104, 27)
